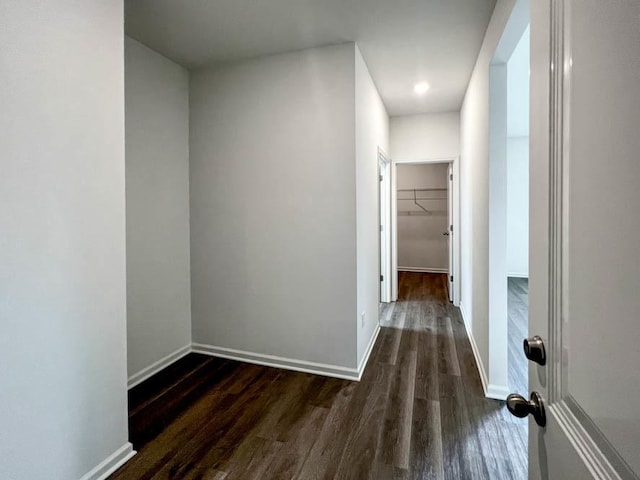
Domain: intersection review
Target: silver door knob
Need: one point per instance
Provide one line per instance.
(534, 350)
(520, 407)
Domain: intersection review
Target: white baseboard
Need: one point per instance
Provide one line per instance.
(423, 270)
(476, 353)
(497, 392)
(155, 367)
(517, 275)
(324, 369)
(367, 353)
(111, 463)
(278, 362)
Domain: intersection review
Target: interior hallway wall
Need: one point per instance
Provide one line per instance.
(157, 184)
(421, 243)
(474, 177)
(63, 371)
(372, 132)
(518, 159)
(424, 137)
(273, 206)
(518, 207)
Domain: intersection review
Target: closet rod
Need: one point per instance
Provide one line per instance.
(422, 189)
(425, 198)
(415, 200)
(415, 196)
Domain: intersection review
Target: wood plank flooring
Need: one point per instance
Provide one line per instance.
(417, 413)
(518, 327)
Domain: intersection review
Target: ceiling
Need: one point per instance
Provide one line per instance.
(402, 41)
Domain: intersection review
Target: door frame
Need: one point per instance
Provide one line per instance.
(449, 229)
(455, 221)
(384, 217)
(498, 371)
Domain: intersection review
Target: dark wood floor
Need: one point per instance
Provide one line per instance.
(417, 413)
(518, 308)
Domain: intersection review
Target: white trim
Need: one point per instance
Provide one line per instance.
(476, 353)
(423, 270)
(315, 368)
(451, 285)
(365, 358)
(517, 275)
(594, 459)
(384, 219)
(394, 231)
(155, 367)
(278, 362)
(111, 463)
(427, 160)
(457, 234)
(454, 161)
(497, 392)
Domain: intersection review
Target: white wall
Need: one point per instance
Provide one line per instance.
(518, 88)
(518, 159)
(518, 206)
(474, 176)
(157, 180)
(422, 137)
(421, 244)
(273, 206)
(497, 366)
(62, 248)
(372, 131)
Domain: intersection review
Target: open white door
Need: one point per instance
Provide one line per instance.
(384, 209)
(450, 229)
(394, 232)
(585, 237)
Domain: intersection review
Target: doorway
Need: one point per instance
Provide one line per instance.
(424, 211)
(509, 209)
(423, 218)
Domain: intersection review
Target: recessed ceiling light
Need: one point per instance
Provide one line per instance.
(421, 88)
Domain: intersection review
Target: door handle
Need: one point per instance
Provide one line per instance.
(446, 233)
(534, 350)
(520, 407)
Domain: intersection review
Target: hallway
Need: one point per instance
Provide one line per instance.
(480, 438)
(418, 411)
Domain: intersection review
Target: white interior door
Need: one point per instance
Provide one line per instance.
(585, 237)
(450, 228)
(385, 229)
(393, 168)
